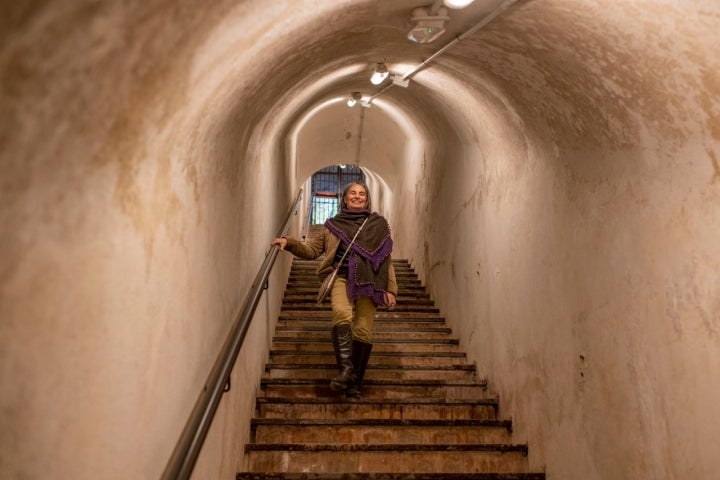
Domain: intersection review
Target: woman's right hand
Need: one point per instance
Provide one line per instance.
(281, 242)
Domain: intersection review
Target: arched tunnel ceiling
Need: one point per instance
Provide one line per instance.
(575, 73)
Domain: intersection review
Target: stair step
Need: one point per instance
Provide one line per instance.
(421, 324)
(380, 389)
(313, 268)
(370, 375)
(310, 278)
(391, 359)
(300, 288)
(325, 334)
(328, 370)
(379, 431)
(376, 458)
(315, 281)
(380, 315)
(378, 347)
(338, 406)
(325, 307)
(381, 318)
(388, 476)
(402, 298)
(296, 282)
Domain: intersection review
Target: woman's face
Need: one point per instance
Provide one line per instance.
(356, 198)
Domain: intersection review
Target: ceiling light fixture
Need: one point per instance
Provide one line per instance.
(379, 74)
(427, 25)
(354, 98)
(457, 3)
(397, 80)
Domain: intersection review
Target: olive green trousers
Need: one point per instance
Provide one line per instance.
(342, 311)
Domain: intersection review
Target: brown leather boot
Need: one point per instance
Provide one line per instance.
(360, 357)
(342, 344)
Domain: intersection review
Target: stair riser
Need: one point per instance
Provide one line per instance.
(412, 462)
(407, 290)
(308, 283)
(302, 273)
(312, 273)
(370, 374)
(373, 435)
(402, 301)
(379, 325)
(381, 315)
(369, 391)
(389, 476)
(377, 334)
(367, 411)
(400, 273)
(377, 348)
(377, 357)
(325, 307)
(312, 268)
(313, 283)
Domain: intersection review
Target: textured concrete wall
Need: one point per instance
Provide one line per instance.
(559, 168)
(580, 220)
(127, 243)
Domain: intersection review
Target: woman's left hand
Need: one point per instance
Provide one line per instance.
(390, 300)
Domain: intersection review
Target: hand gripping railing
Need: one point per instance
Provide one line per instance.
(186, 451)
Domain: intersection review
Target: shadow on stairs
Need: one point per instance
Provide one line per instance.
(424, 415)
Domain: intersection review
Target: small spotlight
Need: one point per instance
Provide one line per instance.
(426, 26)
(457, 3)
(379, 74)
(354, 98)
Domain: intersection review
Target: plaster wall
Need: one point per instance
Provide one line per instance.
(580, 220)
(127, 246)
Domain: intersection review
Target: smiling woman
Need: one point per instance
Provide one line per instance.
(362, 284)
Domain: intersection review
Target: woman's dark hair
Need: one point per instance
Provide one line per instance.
(367, 194)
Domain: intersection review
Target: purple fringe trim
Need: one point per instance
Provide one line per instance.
(375, 257)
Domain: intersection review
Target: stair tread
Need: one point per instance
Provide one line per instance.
(324, 366)
(384, 447)
(399, 382)
(375, 354)
(376, 341)
(379, 315)
(380, 401)
(389, 476)
(385, 331)
(391, 422)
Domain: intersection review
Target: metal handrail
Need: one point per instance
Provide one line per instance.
(182, 461)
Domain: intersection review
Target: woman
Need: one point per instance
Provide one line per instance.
(365, 280)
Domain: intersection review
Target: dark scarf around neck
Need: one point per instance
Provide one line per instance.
(369, 257)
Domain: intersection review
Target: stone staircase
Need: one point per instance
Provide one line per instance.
(423, 415)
